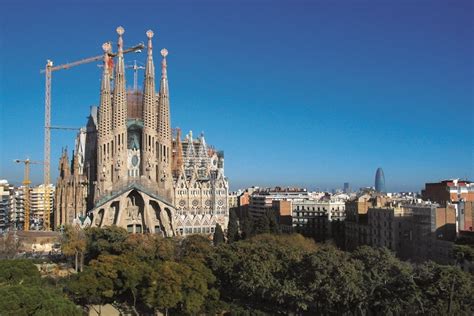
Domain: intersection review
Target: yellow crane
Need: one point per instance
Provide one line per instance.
(26, 183)
(47, 117)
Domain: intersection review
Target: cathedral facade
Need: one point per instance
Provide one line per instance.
(129, 169)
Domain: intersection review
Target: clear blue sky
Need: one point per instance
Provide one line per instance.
(312, 93)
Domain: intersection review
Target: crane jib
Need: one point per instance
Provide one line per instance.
(92, 59)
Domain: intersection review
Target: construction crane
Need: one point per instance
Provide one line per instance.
(135, 68)
(26, 182)
(47, 115)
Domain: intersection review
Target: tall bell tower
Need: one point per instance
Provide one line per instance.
(164, 132)
(120, 140)
(105, 136)
(150, 112)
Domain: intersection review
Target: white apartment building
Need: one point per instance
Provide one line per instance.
(261, 200)
(17, 207)
(38, 200)
(5, 201)
(313, 217)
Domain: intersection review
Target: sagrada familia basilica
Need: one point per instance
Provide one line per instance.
(131, 170)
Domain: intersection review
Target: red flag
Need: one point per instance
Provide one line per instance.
(111, 63)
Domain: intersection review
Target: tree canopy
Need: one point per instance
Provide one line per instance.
(218, 235)
(13, 272)
(264, 274)
(23, 292)
(232, 227)
(35, 300)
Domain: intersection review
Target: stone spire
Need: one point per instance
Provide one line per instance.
(120, 97)
(105, 109)
(118, 145)
(177, 165)
(164, 133)
(149, 105)
(164, 105)
(149, 167)
(105, 127)
(150, 67)
(64, 168)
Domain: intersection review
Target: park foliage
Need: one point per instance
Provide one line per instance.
(263, 274)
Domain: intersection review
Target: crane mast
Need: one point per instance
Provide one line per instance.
(47, 143)
(47, 119)
(26, 183)
(135, 68)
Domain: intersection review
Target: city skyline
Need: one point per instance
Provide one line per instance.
(295, 97)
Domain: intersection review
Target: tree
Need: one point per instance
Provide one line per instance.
(218, 235)
(165, 283)
(15, 272)
(9, 246)
(196, 246)
(73, 243)
(338, 233)
(257, 270)
(109, 240)
(91, 287)
(166, 248)
(463, 253)
(273, 222)
(232, 227)
(141, 246)
(246, 227)
(443, 290)
(35, 300)
(266, 224)
(197, 284)
(182, 286)
(328, 282)
(262, 225)
(389, 287)
(130, 274)
(126, 272)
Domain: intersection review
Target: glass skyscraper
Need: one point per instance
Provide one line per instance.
(379, 181)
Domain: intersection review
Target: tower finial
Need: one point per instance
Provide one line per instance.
(120, 31)
(106, 47)
(149, 34)
(164, 53)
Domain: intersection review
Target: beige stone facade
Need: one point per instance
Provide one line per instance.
(130, 170)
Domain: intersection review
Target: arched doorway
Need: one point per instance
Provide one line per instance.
(134, 212)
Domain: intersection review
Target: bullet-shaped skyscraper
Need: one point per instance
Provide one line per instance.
(379, 181)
